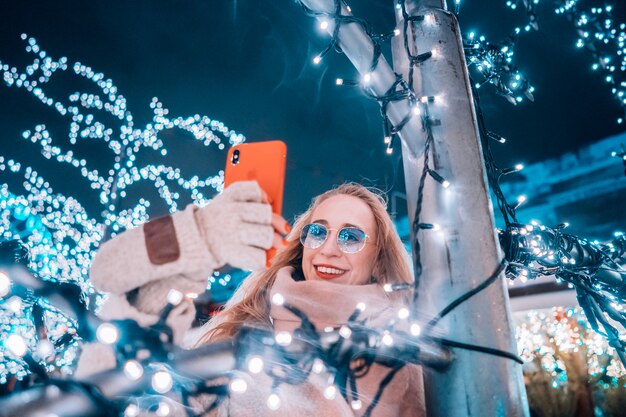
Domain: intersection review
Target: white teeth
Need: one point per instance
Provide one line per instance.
(327, 270)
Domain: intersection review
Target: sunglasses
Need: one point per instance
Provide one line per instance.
(349, 239)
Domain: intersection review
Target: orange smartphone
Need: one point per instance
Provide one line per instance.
(263, 162)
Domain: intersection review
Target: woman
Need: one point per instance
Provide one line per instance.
(340, 254)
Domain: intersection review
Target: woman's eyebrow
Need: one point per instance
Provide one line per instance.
(325, 223)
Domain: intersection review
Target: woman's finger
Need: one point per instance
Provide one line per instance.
(279, 242)
(280, 224)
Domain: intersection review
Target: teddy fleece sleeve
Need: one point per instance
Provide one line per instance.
(413, 402)
(170, 246)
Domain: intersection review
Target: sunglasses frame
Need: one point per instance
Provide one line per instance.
(328, 230)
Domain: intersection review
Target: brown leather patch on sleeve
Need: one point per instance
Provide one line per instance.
(161, 242)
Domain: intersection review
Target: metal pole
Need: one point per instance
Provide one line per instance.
(466, 251)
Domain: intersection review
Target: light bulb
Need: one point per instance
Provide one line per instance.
(278, 299)
(273, 401)
(16, 345)
(107, 333)
(330, 392)
(131, 411)
(163, 410)
(318, 366)
(174, 297)
(162, 382)
(5, 284)
(356, 404)
(255, 364)
(133, 370)
(238, 386)
(283, 338)
(345, 332)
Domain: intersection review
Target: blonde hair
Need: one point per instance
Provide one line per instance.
(250, 304)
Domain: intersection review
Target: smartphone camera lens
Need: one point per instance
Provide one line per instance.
(235, 158)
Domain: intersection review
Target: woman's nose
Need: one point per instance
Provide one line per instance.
(330, 248)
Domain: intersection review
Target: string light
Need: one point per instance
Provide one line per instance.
(107, 333)
(162, 382)
(174, 297)
(133, 370)
(283, 338)
(255, 364)
(60, 234)
(278, 299)
(16, 345)
(330, 392)
(5, 284)
(163, 409)
(273, 401)
(132, 411)
(597, 32)
(238, 386)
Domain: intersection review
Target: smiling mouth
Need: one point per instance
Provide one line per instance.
(327, 272)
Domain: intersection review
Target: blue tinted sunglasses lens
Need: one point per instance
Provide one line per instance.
(313, 235)
(349, 239)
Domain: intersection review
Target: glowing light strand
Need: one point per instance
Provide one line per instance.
(60, 234)
(592, 268)
(598, 33)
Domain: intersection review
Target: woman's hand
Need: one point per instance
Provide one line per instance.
(238, 226)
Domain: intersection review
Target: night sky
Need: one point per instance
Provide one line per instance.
(248, 64)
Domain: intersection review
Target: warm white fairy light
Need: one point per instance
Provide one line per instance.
(44, 349)
(255, 364)
(387, 339)
(162, 381)
(404, 313)
(238, 386)
(132, 410)
(16, 345)
(163, 409)
(5, 284)
(318, 366)
(330, 392)
(361, 306)
(133, 370)
(15, 304)
(415, 329)
(345, 332)
(273, 401)
(356, 404)
(107, 333)
(278, 299)
(174, 297)
(283, 338)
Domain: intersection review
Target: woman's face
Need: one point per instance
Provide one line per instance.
(328, 262)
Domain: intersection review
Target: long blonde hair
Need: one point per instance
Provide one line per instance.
(250, 304)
